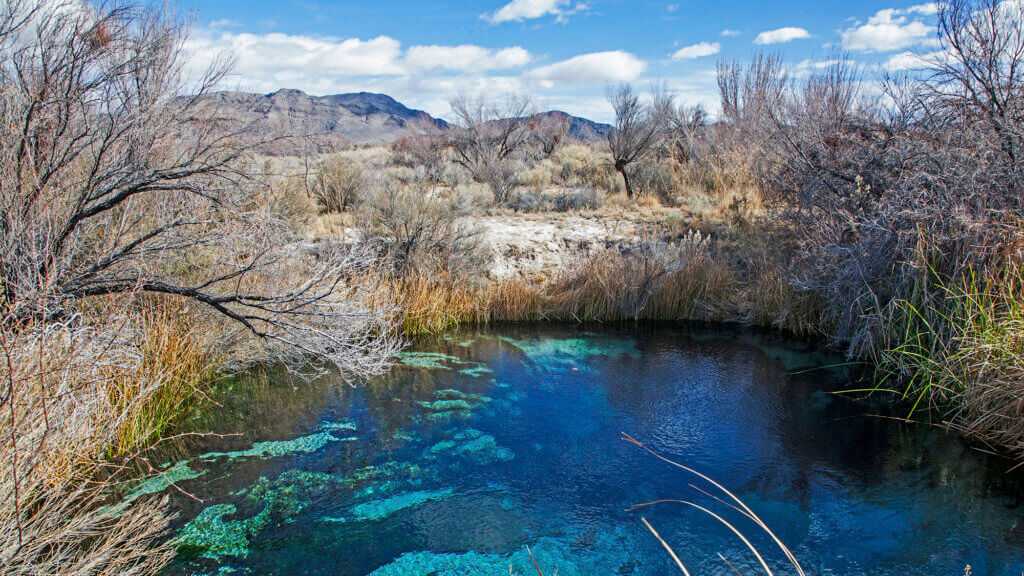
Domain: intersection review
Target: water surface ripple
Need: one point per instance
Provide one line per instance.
(482, 442)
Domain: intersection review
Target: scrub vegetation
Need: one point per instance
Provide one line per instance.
(146, 248)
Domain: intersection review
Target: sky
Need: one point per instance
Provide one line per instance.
(561, 52)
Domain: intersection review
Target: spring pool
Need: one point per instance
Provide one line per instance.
(480, 443)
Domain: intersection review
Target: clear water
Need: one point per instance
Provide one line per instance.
(482, 443)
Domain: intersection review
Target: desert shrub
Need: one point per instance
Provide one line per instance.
(538, 176)
(424, 146)
(563, 200)
(656, 178)
(338, 183)
(420, 229)
(577, 199)
(580, 165)
(528, 200)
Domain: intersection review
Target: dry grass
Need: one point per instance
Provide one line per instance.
(80, 406)
(428, 305)
(770, 300)
(175, 352)
(648, 282)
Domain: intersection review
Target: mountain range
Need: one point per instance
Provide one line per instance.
(329, 123)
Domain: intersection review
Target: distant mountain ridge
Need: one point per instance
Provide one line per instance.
(333, 122)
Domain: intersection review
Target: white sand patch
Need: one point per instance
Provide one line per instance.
(529, 247)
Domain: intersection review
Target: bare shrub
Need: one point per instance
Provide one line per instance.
(549, 132)
(493, 140)
(115, 187)
(121, 185)
(424, 146)
(338, 183)
(420, 230)
(577, 199)
(656, 178)
(562, 200)
(577, 165)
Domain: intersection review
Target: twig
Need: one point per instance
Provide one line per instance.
(535, 565)
(671, 552)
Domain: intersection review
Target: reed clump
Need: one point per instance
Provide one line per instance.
(83, 403)
(176, 366)
(958, 344)
(649, 280)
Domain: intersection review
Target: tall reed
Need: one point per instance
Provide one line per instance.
(956, 345)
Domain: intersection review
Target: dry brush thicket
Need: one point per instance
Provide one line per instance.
(131, 225)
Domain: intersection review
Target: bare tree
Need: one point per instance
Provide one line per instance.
(112, 182)
(978, 76)
(637, 128)
(492, 139)
(116, 187)
(549, 132)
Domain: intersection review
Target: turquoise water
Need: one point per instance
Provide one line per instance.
(479, 444)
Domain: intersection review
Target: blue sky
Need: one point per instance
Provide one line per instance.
(562, 52)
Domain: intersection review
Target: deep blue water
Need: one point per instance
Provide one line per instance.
(482, 443)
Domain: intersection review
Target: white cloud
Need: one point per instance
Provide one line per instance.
(262, 55)
(598, 67)
(727, 32)
(225, 23)
(823, 64)
(890, 30)
(917, 61)
(283, 59)
(930, 9)
(699, 50)
(466, 58)
(787, 34)
(519, 10)
(903, 61)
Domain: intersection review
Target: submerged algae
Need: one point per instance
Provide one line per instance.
(427, 360)
(441, 361)
(343, 425)
(155, 484)
(572, 353)
(447, 405)
(216, 537)
(609, 554)
(475, 371)
(377, 509)
(282, 499)
(451, 405)
(275, 448)
(451, 394)
(473, 444)
(449, 415)
(434, 564)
